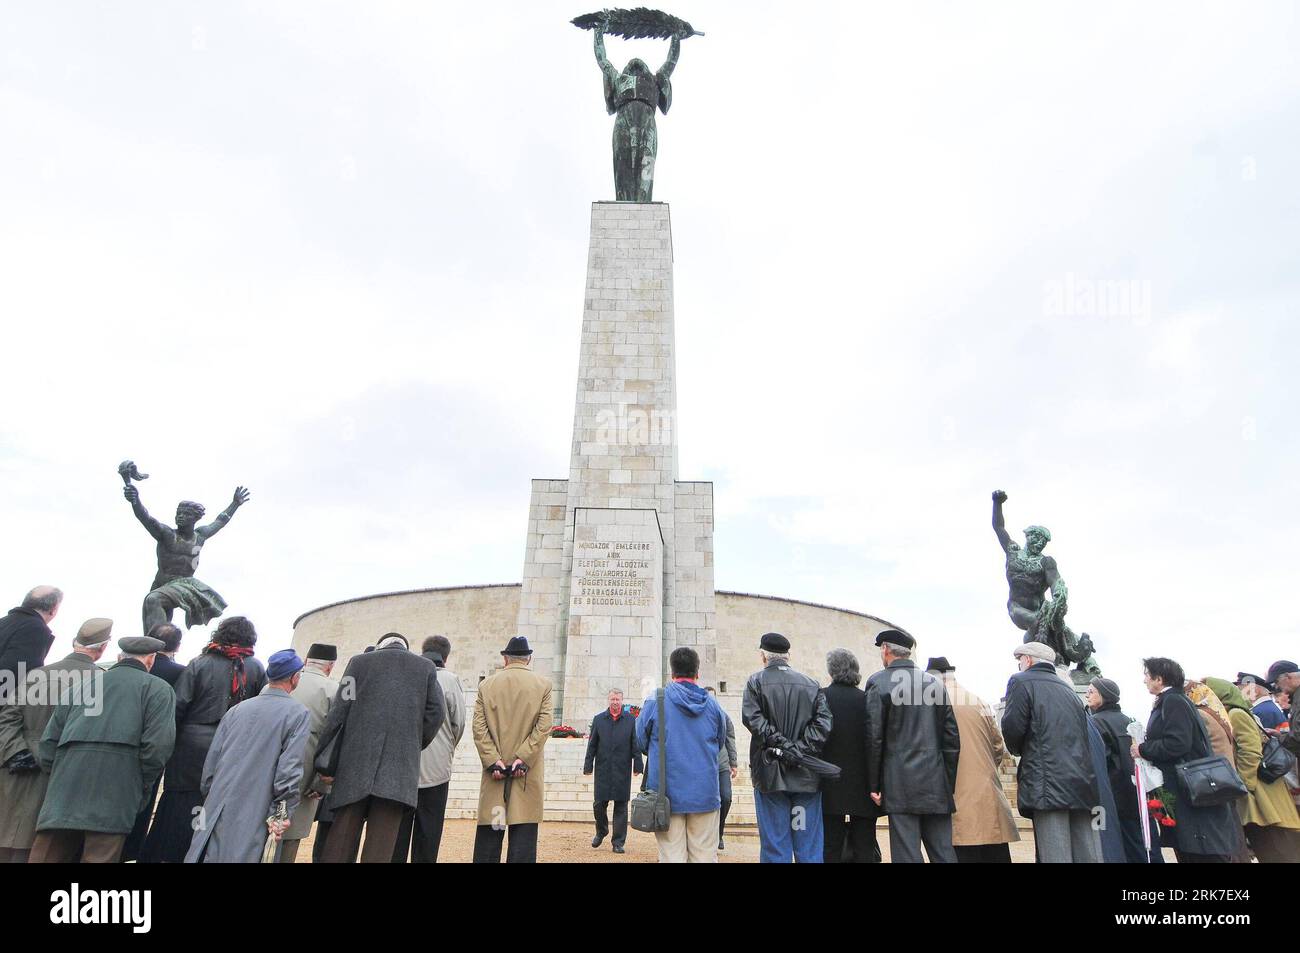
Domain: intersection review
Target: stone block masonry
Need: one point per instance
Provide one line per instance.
(622, 515)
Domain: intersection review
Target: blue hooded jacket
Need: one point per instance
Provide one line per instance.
(697, 731)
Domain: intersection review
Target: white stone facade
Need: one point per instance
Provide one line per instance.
(623, 460)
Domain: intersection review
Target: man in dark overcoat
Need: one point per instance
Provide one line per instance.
(25, 636)
(388, 708)
(913, 745)
(613, 756)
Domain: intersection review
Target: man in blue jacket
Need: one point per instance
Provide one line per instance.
(696, 730)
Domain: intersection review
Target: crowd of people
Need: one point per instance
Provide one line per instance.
(250, 757)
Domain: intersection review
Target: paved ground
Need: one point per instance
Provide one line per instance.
(560, 842)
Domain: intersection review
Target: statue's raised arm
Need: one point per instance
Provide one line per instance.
(1000, 522)
(211, 529)
(670, 64)
(155, 528)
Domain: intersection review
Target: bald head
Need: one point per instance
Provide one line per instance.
(44, 600)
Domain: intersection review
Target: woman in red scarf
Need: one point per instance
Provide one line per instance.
(224, 674)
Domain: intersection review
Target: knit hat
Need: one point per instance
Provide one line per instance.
(1107, 689)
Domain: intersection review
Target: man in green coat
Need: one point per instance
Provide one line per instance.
(103, 759)
(23, 721)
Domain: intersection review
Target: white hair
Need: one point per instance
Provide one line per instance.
(768, 656)
(896, 650)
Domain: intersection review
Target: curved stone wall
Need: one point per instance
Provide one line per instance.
(479, 620)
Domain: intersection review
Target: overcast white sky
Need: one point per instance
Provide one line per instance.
(335, 252)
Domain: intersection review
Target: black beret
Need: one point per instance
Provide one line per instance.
(895, 637)
(774, 642)
(323, 652)
(940, 664)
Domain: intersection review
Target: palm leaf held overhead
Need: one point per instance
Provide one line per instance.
(636, 24)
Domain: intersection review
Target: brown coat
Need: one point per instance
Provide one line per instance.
(983, 812)
(512, 719)
(1220, 740)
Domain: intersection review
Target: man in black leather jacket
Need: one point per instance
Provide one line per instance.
(913, 745)
(787, 717)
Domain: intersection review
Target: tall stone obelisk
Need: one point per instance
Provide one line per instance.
(618, 568)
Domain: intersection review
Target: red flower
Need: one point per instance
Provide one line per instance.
(1166, 822)
(1155, 804)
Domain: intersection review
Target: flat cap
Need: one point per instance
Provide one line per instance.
(140, 645)
(94, 632)
(774, 642)
(323, 651)
(1037, 650)
(894, 637)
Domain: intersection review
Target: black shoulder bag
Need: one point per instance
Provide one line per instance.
(1275, 761)
(650, 809)
(1209, 781)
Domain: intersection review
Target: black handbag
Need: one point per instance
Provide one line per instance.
(650, 809)
(1275, 762)
(1212, 780)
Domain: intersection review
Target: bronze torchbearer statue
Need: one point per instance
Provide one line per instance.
(174, 587)
(634, 94)
(1032, 576)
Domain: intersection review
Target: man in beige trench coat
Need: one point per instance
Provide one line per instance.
(983, 827)
(315, 692)
(512, 721)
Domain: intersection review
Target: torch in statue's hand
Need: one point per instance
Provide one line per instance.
(128, 471)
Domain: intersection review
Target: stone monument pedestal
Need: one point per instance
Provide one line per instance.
(618, 569)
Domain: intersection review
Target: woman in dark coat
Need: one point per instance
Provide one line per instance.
(224, 675)
(1112, 842)
(848, 813)
(1112, 723)
(1200, 835)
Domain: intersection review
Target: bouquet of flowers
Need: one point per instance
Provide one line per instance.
(565, 731)
(1161, 805)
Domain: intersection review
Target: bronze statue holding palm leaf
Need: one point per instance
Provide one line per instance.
(633, 94)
